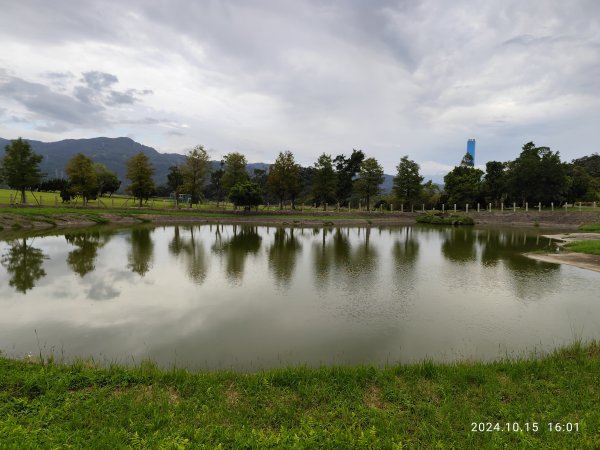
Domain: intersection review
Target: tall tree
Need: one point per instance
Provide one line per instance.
(407, 182)
(324, 181)
(369, 179)
(140, 173)
(284, 178)
(537, 175)
(20, 167)
(245, 194)
(216, 183)
(495, 181)
(175, 182)
(195, 170)
(347, 169)
(83, 178)
(463, 185)
(235, 170)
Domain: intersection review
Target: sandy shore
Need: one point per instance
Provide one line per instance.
(581, 260)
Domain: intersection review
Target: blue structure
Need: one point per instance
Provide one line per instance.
(471, 150)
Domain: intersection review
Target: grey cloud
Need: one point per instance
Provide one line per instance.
(99, 80)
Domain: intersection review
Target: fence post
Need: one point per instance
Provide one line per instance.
(412, 207)
(455, 207)
(552, 206)
(443, 206)
(467, 208)
(391, 207)
(423, 207)
(490, 207)
(502, 206)
(540, 207)
(526, 206)
(566, 205)
(514, 207)
(477, 207)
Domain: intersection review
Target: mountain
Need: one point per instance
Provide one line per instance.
(114, 152)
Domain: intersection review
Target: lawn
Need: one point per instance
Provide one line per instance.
(421, 405)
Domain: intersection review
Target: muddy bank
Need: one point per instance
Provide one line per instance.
(581, 260)
(11, 219)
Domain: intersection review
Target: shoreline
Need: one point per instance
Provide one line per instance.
(580, 260)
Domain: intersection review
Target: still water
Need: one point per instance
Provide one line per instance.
(248, 297)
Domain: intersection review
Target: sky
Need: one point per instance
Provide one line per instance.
(392, 78)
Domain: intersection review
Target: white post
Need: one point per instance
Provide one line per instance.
(412, 207)
(502, 207)
(540, 207)
(477, 207)
(455, 207)
(566, 204)
(443, 205)
(552, 206)
(490, 207)
(391, 207)
(514, 207)
(526, 206)
(423, 207)
(467, 208)
(402, 207)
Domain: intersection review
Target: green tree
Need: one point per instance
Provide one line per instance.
(235, 170)
(215, 186)
(245, 194)
(284, 178)
(407, 183)
(83, 178)
(537, 175)
(175, 182)
(347, 169)
(107, 180)
(467, 160)
(140, 173)
(194, 170)
(20, 167)
(495, 181)
(430, 193)
(369, 179)
(463, 185)
(324, 181)
(582, 186)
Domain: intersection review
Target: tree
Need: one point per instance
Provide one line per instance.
(216, 183)
(369, 179)
(430, 193)
(284, 178)
(537, 175)
(347, 169)
(495, 181)
(245, 194)
(20, 167)
(582, 186)
(463, 185)
(467, 160)
(140, 173)
(107, 180)
(407, 183)
(324, 185)
(82, 175)
(235, 170)
(194, 171)
(175, 182)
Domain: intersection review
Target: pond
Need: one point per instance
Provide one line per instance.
(253, 297)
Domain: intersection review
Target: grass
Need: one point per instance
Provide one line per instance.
(424, 405)
(592, 227)
(591, 247)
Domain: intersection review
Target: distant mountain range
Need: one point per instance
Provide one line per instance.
(114, 152)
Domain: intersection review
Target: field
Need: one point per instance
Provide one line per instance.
(591, 247)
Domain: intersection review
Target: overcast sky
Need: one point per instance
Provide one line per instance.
(392, 78)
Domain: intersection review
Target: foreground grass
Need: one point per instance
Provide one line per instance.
(591, 247)
(421, 405)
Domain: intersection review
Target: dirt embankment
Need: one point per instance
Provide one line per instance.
(13, 220)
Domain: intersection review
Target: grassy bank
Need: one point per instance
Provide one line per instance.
(441, 219)
(591, 247)
(421, 405)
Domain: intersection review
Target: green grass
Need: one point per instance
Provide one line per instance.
(592, 227)
(591, 247)
(424, 405)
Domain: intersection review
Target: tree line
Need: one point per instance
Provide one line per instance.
(536, 175)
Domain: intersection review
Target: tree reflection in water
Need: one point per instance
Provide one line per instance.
(245, 241)
(142, 251)
(24, 263)
(82, 260)
(191, 250)
(282, 255)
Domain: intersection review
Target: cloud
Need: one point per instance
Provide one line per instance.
(99, 80)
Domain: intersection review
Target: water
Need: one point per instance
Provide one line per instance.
(247, 297)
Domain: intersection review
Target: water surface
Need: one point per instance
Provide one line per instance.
(248, 297)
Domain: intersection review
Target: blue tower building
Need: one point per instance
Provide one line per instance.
(471, 150)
